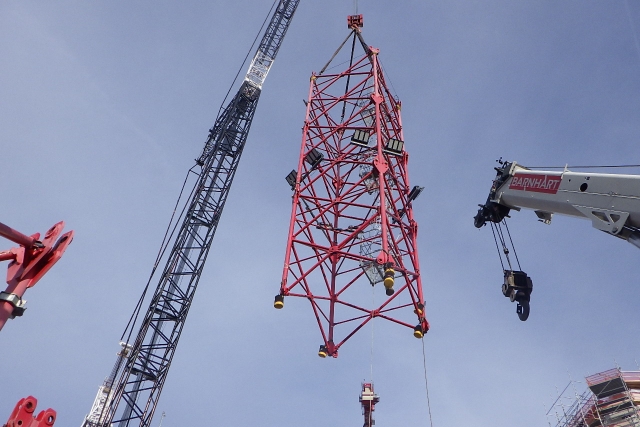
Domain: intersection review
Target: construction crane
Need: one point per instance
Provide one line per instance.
(130, 394)
(610, 201)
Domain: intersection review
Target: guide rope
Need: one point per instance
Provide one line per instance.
(426, 382)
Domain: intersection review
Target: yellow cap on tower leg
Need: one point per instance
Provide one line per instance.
(417, 332)
(279, 302)
(322, 352)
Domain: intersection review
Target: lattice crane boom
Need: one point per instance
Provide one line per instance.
(132, 399)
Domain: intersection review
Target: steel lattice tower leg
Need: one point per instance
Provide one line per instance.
(352, 225)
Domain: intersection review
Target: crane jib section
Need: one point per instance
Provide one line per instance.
(136, 392)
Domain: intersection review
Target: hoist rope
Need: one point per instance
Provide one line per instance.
(346, 88)
(373, 304)
(388, 77)
(426, 382)
(335, 54)
(495, 239)
(246, 57)
(163, 247)
(512, 246)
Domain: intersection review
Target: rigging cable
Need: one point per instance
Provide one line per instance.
(163, 248)
(495, 239)
(426, 382)
(373, 304)
(512, 246)
(346, 89)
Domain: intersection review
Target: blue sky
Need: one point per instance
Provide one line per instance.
(105, 105)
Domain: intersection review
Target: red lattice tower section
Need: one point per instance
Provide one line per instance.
(352, 225)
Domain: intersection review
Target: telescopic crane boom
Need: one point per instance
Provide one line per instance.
(132, 397)
(610, 201)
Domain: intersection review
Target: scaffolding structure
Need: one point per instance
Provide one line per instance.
(611, 400)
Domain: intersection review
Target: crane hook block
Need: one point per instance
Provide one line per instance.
(517, 287)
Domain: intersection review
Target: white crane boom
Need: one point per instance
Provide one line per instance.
(610, 201)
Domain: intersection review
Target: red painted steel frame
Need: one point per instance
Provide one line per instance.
(22, 415)
(342, 234)
(29, 261)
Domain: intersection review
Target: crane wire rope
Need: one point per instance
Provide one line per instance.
(388, 76)
(235, 79)
(426, 382)
(346, 88)
(163, 248)
(335, 54)
(495, 239)
(498, 234)
(511, 240)
(373, 304)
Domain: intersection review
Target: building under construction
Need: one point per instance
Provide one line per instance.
(611, 400)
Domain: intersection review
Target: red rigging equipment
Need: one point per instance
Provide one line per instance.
(29, 262)
(22, 415)
(352, 225)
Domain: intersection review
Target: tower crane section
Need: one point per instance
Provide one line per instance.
(352, 229)
(141, 371)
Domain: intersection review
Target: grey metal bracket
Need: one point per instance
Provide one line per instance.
(19, 305)
(544, 217)
(606, 220)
